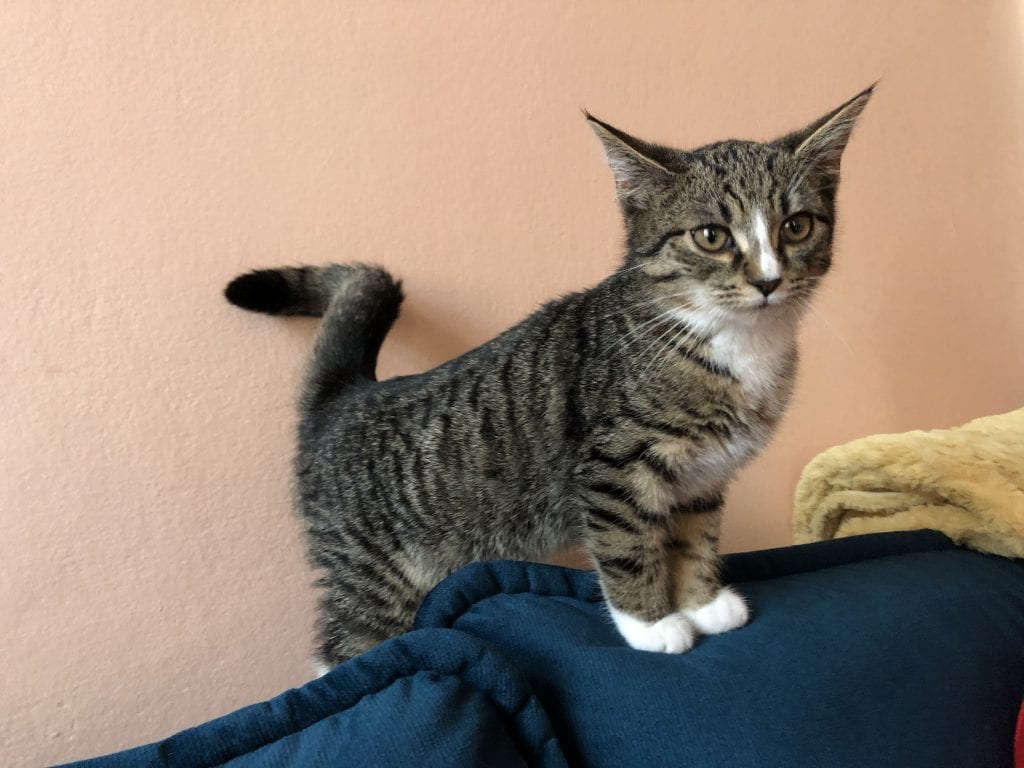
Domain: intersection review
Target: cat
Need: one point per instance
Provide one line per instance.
(615, 416)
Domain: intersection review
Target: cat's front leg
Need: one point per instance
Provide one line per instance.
(631, 550)
(697, 591)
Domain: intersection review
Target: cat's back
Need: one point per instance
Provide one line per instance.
(513, 381)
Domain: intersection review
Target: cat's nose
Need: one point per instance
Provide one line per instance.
(766, 286)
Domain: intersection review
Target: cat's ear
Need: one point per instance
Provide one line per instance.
(638, 173)
(821, 143)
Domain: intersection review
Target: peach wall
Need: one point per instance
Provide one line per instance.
(151, 573)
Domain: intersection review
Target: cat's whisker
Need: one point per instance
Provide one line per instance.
(809, 306)
(637, 332)
(652, 345)
(627, 270)
(649, 325)
(634, 267)
(630, 307)
(683, 332)
(661, 347)
(665, 351)
(672, 348)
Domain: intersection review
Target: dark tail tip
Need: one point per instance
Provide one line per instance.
(263, 290)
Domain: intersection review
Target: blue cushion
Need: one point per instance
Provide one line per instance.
(885, 650)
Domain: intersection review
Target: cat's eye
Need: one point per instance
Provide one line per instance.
(797, 228)
(711, 238)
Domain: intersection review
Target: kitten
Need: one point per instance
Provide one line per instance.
(616, 415)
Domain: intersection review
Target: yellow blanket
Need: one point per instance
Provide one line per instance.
(967, 482)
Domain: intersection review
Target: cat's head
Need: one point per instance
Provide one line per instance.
(735, 227)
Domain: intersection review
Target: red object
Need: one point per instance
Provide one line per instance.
(1018, 741)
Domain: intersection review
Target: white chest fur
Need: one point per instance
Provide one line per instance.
(753, 346)
(756, 351)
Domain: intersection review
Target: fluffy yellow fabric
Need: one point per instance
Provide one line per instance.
(967, 482)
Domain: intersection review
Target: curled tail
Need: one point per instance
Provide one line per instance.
(358, 304)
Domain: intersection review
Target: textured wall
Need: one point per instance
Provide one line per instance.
(151, 574)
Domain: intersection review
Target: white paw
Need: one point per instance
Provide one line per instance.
(319, 668)
(672, 634)
(727, 611)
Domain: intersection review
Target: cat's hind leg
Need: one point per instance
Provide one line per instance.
(362, 605)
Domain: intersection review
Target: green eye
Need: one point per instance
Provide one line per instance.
(797, 228)
(711, 238)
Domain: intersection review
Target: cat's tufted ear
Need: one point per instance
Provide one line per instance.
(636, 165)
(821, 143)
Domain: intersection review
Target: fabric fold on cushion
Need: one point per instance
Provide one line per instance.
(475, 582)
(434, 697)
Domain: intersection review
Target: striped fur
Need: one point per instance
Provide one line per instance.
(616, 415)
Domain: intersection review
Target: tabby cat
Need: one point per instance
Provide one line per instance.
(616, 415)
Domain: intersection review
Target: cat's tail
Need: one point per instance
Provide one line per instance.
(358, 304)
